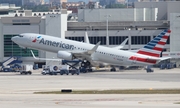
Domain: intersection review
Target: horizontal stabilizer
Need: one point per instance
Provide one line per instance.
(164, 58)
(159, 59)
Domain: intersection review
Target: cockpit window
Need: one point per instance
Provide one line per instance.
(20, 35)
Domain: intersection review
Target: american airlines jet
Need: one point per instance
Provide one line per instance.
(69, 50)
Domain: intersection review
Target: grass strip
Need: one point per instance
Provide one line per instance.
(129, 91)
(177, 103)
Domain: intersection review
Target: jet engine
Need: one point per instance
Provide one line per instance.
(64, 55)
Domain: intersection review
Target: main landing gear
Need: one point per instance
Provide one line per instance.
(113, 69)
(85, 66)
(85, 63)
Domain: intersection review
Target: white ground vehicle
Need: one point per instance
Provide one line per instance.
(55, 69)
(26, 69)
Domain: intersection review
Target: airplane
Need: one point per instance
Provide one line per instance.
(69, 50)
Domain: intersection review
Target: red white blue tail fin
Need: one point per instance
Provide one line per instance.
(155, 46)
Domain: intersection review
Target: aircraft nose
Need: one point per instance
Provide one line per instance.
(14, 38)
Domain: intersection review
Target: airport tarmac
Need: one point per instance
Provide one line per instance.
(17, 90)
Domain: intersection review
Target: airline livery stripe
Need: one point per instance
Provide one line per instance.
(142, 59)
(149, 47)
(165, 37)
(157, 38)
(163, 33)
(161, 43)
(154, 41)
(148, 53)
(160, 36)
(169, 31)
(158, 49)
(163, 40)
(151, 50)
(160, 46)
(151, 44)
(167, 34)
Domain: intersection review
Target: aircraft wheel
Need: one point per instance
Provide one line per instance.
(29, 72)
(113, 70)
(44, 73)
(85, 63)
(82, 64)
(88, 63)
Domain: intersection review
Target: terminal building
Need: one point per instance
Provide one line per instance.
(140, 24)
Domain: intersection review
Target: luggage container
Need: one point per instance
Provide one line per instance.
(26, 69)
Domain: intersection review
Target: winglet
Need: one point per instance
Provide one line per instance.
(94, 48)
(122, 44)
(86, 38)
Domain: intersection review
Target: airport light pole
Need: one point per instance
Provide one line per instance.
(107, 37)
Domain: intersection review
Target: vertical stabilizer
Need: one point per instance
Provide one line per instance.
(155, 46)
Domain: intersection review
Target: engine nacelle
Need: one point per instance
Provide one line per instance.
(64, 55)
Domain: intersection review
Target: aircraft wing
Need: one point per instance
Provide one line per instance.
(84, 54)
(44, 58)
(122, 44)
